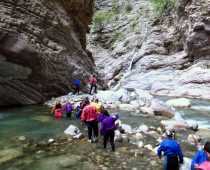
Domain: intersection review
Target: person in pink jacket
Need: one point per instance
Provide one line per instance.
(89, 116)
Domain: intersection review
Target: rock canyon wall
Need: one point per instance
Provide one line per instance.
(42, 48)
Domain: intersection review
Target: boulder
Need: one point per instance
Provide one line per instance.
(127, 128)
(174, 124)
(193, 138)
(161, 109)
(142, 128)
(147, 110)
(136, 137)
(181, 102)
(72, 130)
(154, 134)
(128, 107)
(79, 136)
(149, 147)
(118, 136)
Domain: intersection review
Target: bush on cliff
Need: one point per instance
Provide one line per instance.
(163, 5)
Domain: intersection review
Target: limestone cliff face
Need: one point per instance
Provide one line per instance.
(42, 48)
(166, 53)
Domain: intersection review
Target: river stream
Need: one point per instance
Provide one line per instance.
(24, 134)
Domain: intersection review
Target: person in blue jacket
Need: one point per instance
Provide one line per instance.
(171, 149)
(76, 86)
(201, 156)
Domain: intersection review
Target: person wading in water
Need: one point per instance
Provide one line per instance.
(172, 151)
(57, 109)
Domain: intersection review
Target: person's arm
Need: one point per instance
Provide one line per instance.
(101, 131)
(159, 151)
(83, 116)
(115, 117)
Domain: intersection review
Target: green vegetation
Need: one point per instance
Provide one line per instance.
(101, 17)
(114, 4)
(128, 7)
(162, 5)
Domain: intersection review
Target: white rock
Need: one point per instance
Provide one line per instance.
(140, 144)
(22, 138)
(134, 103)
(181, 102)
(149, 147)
(128, 107)
(79, 136)
(136, 137)
(127, 128)
(173, 124)
(147, 110)
(142, 128)
(144, 95)
(118, 136)
(72, 130)
(51, 140)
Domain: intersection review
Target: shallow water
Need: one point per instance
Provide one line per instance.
(37, 125)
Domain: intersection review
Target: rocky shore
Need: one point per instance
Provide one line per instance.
(145, 138)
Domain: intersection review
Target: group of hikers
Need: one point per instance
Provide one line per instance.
(93, 113)
(92, 83)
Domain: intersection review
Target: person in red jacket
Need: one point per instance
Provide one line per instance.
(92, 82)
(89, 116)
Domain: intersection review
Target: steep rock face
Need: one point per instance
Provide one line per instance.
(166, 54)
(198, 34)
(42, 48)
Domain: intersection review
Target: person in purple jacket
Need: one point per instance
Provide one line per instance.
(107, 129)
(101, 116)
(68, 108)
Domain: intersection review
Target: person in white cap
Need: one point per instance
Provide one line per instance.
(171, 149)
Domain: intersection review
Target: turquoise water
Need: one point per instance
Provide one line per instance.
(37, 125)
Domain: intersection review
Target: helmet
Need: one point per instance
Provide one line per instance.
(169, 134)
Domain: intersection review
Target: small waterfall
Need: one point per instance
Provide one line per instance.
(134, 56)
(127, 72)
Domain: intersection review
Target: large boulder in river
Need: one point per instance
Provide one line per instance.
(42, 49)
(161, 109)
(181, 102)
